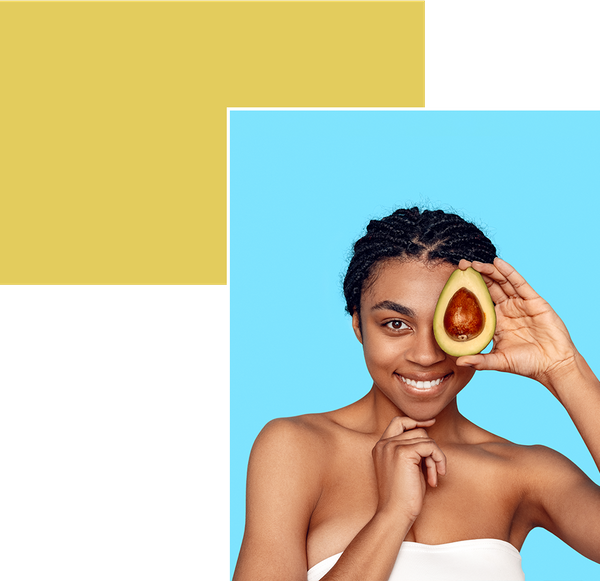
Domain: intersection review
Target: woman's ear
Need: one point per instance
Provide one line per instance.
(356, 325)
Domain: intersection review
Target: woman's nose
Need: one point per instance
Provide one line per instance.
(424, 350)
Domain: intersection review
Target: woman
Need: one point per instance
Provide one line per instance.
(399, 483)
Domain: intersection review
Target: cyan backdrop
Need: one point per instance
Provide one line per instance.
(304, 184)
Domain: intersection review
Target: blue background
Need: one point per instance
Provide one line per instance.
(304, 184)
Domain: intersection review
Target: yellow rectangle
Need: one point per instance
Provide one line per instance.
(113, 121)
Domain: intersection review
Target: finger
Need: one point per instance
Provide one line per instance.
(496, 291)
(431, 450)
(495, 361)
(400, 424)
(499, 286)
(520, 285)
(415, 433)
(431, 471)
(464, 264)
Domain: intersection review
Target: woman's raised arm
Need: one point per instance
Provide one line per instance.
(531, 340)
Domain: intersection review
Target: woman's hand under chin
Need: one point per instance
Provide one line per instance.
(530, 338)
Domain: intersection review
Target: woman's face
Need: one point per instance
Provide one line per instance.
(396, 331)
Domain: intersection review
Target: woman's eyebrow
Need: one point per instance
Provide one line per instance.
(392, 306)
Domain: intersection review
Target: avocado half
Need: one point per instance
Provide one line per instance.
(465, 318)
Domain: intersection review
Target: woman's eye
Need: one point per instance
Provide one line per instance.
(397, 325)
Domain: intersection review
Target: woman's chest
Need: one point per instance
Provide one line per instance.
(477, 498)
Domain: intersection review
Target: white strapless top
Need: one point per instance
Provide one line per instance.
(473, 560)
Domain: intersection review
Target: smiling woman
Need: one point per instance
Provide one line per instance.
(399, 483)
(402, 356)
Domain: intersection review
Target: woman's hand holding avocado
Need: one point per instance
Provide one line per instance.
(530, 338)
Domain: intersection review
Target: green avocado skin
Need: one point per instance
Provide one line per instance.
(473, 281)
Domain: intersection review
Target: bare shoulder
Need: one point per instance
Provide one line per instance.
(543, 457)
(527, 469)
(538, 462)
(306, 426)
(535, 470)
(303, 438)
(547, 471)
(532, 461)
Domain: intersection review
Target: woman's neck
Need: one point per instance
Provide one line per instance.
(450, 425)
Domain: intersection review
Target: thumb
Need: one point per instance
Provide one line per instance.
(482, 361)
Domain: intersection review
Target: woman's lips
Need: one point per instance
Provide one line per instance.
(423, 384)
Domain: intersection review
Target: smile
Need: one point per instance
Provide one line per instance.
(423, 384)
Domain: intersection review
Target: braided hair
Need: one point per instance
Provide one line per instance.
(429, 235)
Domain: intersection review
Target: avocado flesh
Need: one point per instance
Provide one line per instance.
(465, 318)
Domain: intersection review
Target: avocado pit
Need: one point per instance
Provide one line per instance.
(464, 318)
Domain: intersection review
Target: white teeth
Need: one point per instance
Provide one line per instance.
(422, 384)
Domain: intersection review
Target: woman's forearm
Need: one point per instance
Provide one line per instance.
(372, 553)
(578, 389)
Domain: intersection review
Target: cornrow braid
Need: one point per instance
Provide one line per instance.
(409, 233)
